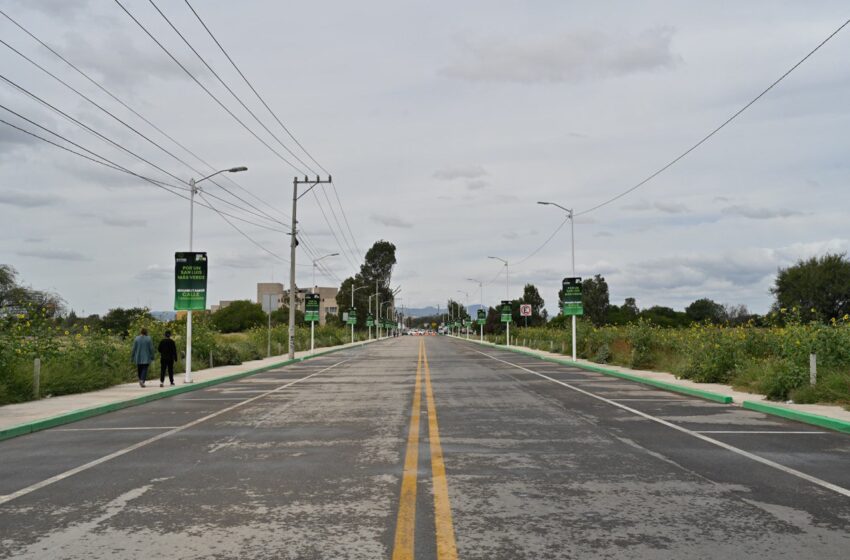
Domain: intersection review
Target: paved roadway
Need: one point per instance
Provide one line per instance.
(427, 448)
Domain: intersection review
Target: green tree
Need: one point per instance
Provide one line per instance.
(665, 316)
(624, 314)
(456, 310)
(818, 287)
(375, 273)
(532, 297)
(239, 316)
(704, 309)
(281, 316)
(118, 320)
(20, 297)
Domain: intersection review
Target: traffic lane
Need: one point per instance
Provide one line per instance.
(312, 476)
(31, 458)
(535, 455)
(821, 453)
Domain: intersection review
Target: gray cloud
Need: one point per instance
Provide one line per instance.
(603, 234)
(124, 222)
(57, 9)
(27, 200)
(460, 172)
(510, 235)
(570, 57)
(662, 206)
(155, 272)
(757, 213)
(477, 184)
(391, 221)
(53, 255)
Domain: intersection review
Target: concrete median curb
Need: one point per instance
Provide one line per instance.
(708, 395)
(799, 416)
(83, 413)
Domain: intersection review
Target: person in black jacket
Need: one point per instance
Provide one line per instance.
(167, 356)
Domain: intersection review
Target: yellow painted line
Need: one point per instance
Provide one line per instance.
(446, 547)
(406, 522)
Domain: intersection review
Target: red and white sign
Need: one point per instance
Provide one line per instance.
(525, 310)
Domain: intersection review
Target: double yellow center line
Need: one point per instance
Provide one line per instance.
(403, 548)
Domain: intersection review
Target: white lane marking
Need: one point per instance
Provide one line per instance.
(752, 432)
(788, 470)
(214, 399)
(114, 429)
(69, 473)
(653, 400)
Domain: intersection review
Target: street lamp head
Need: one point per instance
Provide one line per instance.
(334, 255)
(544, 203)
(237, 169)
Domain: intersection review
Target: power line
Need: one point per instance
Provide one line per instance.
(719, 128)
(350, 233)
(208, 92)
(222, 82)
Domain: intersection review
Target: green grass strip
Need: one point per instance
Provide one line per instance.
(799, 416)
(83, 413)
(708, 395)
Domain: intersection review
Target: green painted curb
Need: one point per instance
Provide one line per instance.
(805, 417)
(708, 395)
(83, 413)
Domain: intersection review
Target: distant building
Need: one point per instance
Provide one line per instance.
(327, 303)
(221, 305)
(270, 296)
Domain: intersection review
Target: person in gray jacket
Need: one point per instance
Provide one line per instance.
(142, 355)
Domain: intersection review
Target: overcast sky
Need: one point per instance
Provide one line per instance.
(442, 123)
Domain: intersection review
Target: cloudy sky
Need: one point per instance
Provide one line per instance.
(442, 123)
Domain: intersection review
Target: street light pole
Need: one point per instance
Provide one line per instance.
(315, 262)
(293, 243)
(193, 189)
(507, 296)
(313, 290)
(571, 217)
(465, 308)
(373, 316)
(353, 289)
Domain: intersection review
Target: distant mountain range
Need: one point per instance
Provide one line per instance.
(429, 311)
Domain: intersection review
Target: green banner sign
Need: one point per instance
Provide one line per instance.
(352, 316)
(482, 316)
(370, 321)
(506, 311)
(311, 307)
(572, 304)
(190, 281)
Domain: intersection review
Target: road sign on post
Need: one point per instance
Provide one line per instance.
(311, 307)
(190, 281)
(352, 317)
(370, 321)
(506, 311)
(572, 304)
(525, 310)
(482, 316)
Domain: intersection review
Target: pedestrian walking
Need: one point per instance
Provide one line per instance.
(142, 355)
(167, 356)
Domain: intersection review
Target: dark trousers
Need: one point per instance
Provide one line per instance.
(143, 371)
(169, 367)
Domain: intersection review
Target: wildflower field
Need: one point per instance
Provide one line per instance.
(772, 360)
(84, 359)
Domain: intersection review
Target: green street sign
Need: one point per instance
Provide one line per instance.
(482, 316)
(370, 321)
(572, 303)
(506, 311)
(311, 307)
(352, 316)
(190, 281)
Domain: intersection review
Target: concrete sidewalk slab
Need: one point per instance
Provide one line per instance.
(23, 418)
(824, 415)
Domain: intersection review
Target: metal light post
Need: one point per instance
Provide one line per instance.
(315, 262)
(193, 189)
(571, 216)
(480, 287)
(353, 289)
(507, 295)
(373, 316)
(466, 308)
(313, 290)
(381, 311)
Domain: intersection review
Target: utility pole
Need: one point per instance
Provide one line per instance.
(571, 217)
(293, 243)
(353, 289)
(481, 303)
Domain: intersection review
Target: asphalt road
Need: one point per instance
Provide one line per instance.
(427, 448)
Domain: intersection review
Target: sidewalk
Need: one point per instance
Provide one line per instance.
(18, 419)
(830, 416)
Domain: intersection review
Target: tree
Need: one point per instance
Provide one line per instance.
(531, 296)
(624, 314)
(118, 320)
(456, 310)
(704, 309)
(239, 316)
(818, 287)
(594, 296)
(376, 271)
(15, 295)
(280, 316)
(665, 316)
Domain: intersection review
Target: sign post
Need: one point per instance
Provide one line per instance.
(572, 304)
(525, 311)
(311, 314)
(482, 318)
(506, 318)
(370, 322)
(190, 294)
